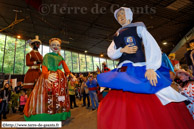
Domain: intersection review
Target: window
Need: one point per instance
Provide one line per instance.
(89, 62)
(19, 58)
(68, 60)
(82, 62)
(2, 43)
(116, 63)
(9, 54)
(62, 52)
(45, 50)
(102, 60)
(75, 62)
(96, 63)
(110, 64)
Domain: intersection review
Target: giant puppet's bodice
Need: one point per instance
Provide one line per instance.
(53, 61)
(33, 56)
(127, 36)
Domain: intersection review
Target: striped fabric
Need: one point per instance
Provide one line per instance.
(45, 100)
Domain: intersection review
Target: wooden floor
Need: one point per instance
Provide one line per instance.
(81, 118)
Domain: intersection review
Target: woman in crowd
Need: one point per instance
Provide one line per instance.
(5, 95)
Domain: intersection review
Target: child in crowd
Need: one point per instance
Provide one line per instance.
(23, 99)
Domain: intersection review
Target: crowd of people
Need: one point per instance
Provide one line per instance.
(12, 100)
(81, 87)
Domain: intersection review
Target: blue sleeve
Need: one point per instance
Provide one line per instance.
(95, 82)
(87, 83)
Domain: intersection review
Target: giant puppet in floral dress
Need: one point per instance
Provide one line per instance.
(49, 100)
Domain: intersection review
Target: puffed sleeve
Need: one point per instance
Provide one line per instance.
(45, 70)
(28, 61)
(152, 50)
(114, 53)
(65, 67)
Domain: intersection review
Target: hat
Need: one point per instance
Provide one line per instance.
(128, 13)
(30, 41)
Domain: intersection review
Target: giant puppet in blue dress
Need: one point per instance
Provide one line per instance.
(141, 96)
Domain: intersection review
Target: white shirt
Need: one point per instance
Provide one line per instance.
(153, 56)
(153, 53)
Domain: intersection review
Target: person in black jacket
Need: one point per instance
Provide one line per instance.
(5, 94)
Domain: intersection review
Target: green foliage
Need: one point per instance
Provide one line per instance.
(116, 63)
(19, 63)
(89, 63)
(75, 62)
(110, 64)
(9, 55)
(68, 60)
(96, 63)
(2, 42)
(82, 61)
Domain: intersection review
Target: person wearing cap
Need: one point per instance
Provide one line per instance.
(174, 62)
(187, 88)
(141, 96)
(49, 100)
(33, 61)
(189, 55)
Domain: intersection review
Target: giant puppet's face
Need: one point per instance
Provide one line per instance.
(35, 45)
(121, 18)
(55, 46)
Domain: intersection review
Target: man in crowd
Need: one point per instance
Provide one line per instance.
(92, 86)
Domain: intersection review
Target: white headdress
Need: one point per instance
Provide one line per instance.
(128, 13)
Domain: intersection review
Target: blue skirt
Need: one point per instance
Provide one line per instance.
(133, 79)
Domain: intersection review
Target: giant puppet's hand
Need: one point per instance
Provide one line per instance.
(129, 50)
(52, 77)
(151, 76)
